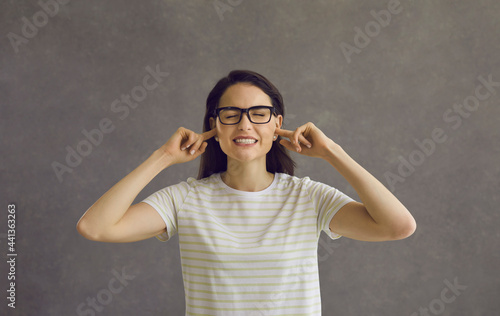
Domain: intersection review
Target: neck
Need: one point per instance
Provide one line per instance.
(251, 177)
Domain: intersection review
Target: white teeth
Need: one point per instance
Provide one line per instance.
(245, 141)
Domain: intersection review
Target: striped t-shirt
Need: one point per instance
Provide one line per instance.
(249, 253)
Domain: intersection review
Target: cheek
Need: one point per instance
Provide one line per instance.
(225, 140)
(267, 136)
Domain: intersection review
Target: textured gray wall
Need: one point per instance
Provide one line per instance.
(418, 79)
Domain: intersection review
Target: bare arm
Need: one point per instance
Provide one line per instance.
(380, 217)
(109, 209)
(112, 218)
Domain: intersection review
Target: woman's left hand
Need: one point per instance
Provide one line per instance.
(307, 140)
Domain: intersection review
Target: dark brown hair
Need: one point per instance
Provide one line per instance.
(214, 160)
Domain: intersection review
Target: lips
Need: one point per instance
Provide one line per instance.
(245, 140)
(244, 137)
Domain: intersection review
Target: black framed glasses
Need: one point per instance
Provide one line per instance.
(260, 114)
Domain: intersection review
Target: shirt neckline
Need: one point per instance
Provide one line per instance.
(248, 193)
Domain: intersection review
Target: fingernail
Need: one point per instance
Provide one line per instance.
(183, 148)
(192, 152)
(308, 146)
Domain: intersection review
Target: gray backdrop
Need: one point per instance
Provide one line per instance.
(410, 90)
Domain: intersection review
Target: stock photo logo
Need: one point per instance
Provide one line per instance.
(104, 296)
(372, 29)
(453, 116)
(40, 19)
(221, 7)
(447, 296)
(94, 137)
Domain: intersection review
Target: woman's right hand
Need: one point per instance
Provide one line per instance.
(186, 145)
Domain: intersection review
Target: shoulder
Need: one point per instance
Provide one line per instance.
(303, 183)
(209, 181)
(286, 180)
(191, 183)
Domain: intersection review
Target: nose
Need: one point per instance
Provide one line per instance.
(245, 123)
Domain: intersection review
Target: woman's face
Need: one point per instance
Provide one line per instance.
(243, 96)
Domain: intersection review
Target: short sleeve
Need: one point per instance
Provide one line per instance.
(328, 201)
(167, 202)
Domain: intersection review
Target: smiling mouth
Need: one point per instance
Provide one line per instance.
(245, 141)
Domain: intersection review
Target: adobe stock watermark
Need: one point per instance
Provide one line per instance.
(448, 295)
(122, 108)
(29, 30)
(223, 6)
(454, 116)
(104, 296)
(372, 29)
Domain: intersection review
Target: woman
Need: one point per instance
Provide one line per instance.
(248, 229)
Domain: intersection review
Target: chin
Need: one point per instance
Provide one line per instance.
(246, 154)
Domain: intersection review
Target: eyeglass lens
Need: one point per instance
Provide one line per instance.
(257, 115)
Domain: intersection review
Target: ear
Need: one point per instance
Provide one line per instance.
(212, 123)
(279, 121)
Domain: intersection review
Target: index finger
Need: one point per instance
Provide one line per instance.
(211, 133)
(283, 132)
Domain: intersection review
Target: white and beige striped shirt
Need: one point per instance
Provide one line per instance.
(249, 253)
